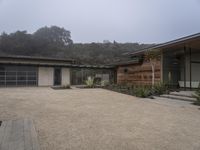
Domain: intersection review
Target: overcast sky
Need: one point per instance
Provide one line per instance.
(144, 21)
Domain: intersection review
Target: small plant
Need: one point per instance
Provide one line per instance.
(142, 92)
(197, 96)
(66, 86)
(159, 89)
(104, 83)
(97, 81)
(90, 82)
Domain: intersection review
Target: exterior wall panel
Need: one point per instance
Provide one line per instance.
(45, 76)
(138, 74)
(65, 76)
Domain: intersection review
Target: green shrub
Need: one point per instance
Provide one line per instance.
(197, 96)
(139, 91)
(142, 92)
(97, 81)
(159, 89)
(131, 90)
(61, 87)
(104, 83)
(90, 82)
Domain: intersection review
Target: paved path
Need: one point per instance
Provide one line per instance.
(18, 135)
(171, 102)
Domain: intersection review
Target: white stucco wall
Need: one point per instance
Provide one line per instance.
(65, 76)
(45, 76)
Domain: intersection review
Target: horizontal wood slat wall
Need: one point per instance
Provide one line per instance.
(138, 74)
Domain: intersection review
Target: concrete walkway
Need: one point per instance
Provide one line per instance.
(18, 135)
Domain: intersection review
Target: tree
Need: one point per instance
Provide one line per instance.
(56, 42)
(152, 56)
(16, 43)
(54, 35)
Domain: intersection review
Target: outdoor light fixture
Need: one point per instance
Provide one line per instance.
(125, 70)
(176, 60)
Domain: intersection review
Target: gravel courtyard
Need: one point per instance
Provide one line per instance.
(97, 119)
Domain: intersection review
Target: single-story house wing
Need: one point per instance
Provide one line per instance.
(179, 64)
(42, 71)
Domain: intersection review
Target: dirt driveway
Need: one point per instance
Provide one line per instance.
(97, 119)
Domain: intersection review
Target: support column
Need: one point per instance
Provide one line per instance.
(184, 68)
(190, 68)
(161, 67)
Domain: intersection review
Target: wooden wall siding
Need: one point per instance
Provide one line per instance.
(140, 74)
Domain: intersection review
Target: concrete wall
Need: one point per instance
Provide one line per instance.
(45, 76)
(65, 76)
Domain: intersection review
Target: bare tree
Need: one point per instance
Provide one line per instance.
(152, 56)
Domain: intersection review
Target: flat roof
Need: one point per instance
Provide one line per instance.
(170, 43)
(127, 62)
(48, 62)
(35, 58)
(59, 65)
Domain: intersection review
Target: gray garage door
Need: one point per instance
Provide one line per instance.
(18, 75)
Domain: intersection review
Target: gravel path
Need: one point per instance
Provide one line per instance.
(97, 119)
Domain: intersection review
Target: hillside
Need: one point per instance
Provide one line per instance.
(56, 42)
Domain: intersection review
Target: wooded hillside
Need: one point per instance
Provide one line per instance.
(56, 42)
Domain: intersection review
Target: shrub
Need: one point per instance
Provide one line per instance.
(197, 96)
(104, 83)
(138, 90)
(159, 89)
(61, 87)
(66, 86)
(90, 82)
(97, 81)
(142, 92)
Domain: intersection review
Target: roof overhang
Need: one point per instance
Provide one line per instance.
(188, 41)
(135, 61)
(34, 58)
(52, 64)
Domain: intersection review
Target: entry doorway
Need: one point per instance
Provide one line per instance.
(57, 76)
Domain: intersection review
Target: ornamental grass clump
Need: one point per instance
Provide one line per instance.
(159, 89)
(142, 92)
(90, 82)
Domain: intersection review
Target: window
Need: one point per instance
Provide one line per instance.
(18, 76)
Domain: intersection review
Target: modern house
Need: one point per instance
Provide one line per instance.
(179, 64)
(39, 71)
